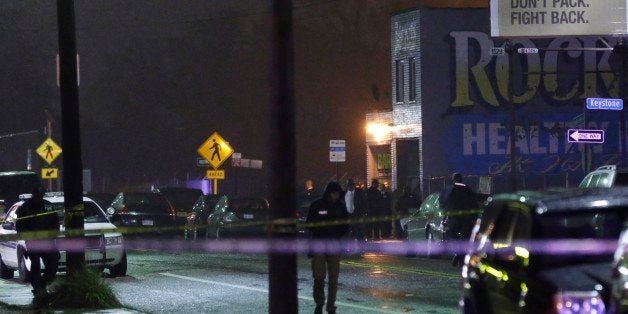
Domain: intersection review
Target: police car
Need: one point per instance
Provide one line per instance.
(103, 249)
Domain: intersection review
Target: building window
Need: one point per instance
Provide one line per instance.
(399, 80)
(412, 78)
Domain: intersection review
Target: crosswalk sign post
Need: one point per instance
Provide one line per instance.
(216, 151)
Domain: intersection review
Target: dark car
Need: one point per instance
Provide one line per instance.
(197, 219)
(182, 199)
(429, 223)
(15, 183)
(236, 217)
(143, 209)
(510, 267)
(103, 200)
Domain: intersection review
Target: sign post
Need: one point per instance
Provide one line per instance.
(216, 151)
(337, 153)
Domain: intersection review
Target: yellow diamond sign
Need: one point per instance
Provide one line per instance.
(215, 150)
(49, 150)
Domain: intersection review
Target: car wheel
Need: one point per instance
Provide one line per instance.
(23, 272)
(119, 270)
(5, 272)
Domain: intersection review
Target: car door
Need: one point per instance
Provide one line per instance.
(506, 265)
(8, 249)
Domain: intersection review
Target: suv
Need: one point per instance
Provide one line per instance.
(605, 177)
(523, 259)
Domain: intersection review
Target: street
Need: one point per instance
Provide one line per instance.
(221, 283)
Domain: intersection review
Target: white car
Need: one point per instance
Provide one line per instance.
(105, 250)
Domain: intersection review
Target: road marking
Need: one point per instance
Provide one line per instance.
(224, 284)
(401, 269)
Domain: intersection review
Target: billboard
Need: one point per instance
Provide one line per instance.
(552, 18)
(466, 120)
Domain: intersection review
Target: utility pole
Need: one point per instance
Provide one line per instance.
(510, 49)
(70, 129)
(282, 267)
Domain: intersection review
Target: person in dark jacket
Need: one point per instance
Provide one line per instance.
(404, 203)
(459, 203)
(37, 215)
(328, 212)
(374, 201)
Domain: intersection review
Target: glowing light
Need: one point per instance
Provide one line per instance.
(378, 131)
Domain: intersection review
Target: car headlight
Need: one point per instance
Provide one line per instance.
(579, 302)
(115, 240)
(111, 211)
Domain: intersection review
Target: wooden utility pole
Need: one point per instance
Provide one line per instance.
(70, 129)
(283, 267)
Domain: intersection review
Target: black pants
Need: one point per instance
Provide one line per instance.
(51, 264)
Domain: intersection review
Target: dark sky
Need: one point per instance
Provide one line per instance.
(158, 77)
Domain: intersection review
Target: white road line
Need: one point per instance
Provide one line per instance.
(224, 284)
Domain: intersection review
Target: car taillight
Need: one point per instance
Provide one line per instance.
(124, 210)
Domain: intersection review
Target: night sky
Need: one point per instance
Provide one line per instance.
(158, 77)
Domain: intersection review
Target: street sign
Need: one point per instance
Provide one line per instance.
(605, 104)
(337, 151)
(215, 174)
(215, 150)
(236, 156)
(528, 50)
(49, 173)
(498, 51)
(256, 164)
(585, 136)
(49, 150)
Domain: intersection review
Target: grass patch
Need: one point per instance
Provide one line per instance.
(81, 289)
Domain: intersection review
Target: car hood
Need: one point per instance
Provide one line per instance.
(582, 277)
(100, 226)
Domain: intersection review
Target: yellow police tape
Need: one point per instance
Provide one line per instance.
(283, 225)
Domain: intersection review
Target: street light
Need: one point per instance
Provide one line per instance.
(379, 131)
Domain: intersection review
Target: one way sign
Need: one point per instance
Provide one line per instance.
(585, 136)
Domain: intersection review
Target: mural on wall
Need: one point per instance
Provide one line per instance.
(466, 99)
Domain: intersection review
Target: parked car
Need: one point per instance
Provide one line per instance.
(605, 177)
(104, 250)
(235, 217)
(301, 215)
(429, 223)
(504, 273)
(197, 219)
(182, 199)
(13, 184)
(143, 209)
(619, 283)
(102, 199)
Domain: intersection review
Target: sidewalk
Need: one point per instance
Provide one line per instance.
(16, 297)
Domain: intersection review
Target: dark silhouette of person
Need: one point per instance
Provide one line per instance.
(37, 215)
(216, 148)
(330, 208)
(459, 202)
(406, 201)
(374, 203)
(49, 151)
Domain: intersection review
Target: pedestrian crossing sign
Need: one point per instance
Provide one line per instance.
(49, 150)
(215, 150)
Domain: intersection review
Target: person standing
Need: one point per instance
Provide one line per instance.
(36, 215)
(329, 209)
(458, 202)
(354, 200)
(374, 202)
(385, 211)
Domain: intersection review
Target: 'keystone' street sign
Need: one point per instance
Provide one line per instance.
(585, 136)
(605, 104)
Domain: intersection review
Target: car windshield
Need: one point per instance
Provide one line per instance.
(182, 199)
(92, 213)
(605, 224)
